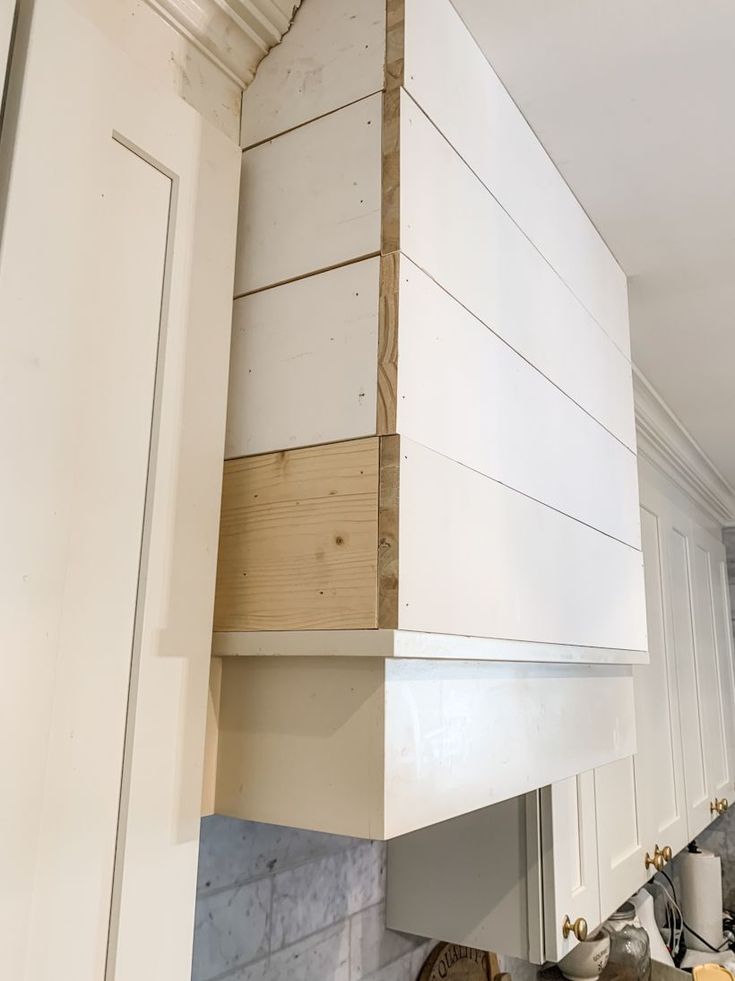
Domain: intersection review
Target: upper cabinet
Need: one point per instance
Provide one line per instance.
(431, 441)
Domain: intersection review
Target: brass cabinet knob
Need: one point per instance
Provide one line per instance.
(718, 806)
(657, 861)
(723, 806)
(666, 853)
(578, 928)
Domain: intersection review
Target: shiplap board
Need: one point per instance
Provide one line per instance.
(464, 392)
(311, 198)
(299, 539)
(482, 122)
(478, 558)
(303, 366)
(332, 55)
(377, 748)
(408, 643)
(454, 229)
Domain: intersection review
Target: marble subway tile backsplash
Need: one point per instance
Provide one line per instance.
(279, 904)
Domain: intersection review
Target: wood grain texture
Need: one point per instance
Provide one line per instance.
(390, 238)
(388, 531)
(387, 393)
(298, 539)
(311, 198)
(303, 367)
(332, 56)
(395, 42)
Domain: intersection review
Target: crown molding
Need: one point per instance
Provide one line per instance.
(668, 446)
(235, 34)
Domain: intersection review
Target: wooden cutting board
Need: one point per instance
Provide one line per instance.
(452, 962)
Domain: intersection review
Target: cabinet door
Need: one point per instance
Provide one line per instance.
(725, 654)
(569, 859)
(115, 300)
(621, 846)
(692, 695)
(662, 813)
(713, 674)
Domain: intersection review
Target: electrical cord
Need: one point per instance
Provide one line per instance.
(717, 950)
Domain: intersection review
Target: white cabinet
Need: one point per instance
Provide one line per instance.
(667, 793)
(116, 262)
(641, 800)
(514, 877)
(571, 887)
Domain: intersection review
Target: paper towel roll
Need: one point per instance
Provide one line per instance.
(701, 897)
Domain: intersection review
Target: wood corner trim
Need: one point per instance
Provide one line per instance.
(388, 496)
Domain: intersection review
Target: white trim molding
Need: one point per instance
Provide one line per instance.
(665, 443)
(235, 34)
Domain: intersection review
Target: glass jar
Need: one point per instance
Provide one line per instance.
(630, 949)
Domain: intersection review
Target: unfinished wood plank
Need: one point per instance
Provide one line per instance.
(390, 240)
(387, 376)
(395, 17)
(465, 240)
(480, 559)
(464, 392)
(388, 532)
(298, 539)
(311, 199)
(331, 56)
(302, 366)
(484, 125)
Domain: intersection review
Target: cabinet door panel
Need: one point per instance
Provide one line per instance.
(569, 857)
(659, 753)
(621, 849)
(688, 677)
(724, 640)
(715, 703)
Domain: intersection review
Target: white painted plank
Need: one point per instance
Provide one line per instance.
(407, 643)
(478, 558)
(332, 55)
(454, 229)
(374, 748)
(464, 734)
(303, 366)
(311, 199)
(481, 121)
(464, 392)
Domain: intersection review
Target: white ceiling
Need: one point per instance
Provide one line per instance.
(635, 102)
